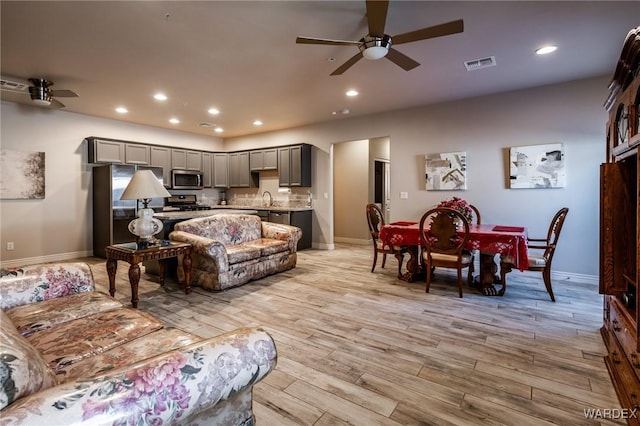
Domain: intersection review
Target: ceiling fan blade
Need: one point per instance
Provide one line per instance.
(447, 28)
(377, 17)
(63, 93)
(56, 104)
(401, 60)
(342, 68)
(310, 40)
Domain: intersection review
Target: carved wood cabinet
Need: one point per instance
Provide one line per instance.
(619, 234)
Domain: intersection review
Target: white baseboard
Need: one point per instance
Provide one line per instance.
(323, 246)
(59, 257)
(581, 278)
(356, 241)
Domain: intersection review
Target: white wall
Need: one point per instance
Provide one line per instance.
(61, 225)
(484, 127)
(350, 189)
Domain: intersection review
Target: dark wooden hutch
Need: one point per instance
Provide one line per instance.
(619, 234)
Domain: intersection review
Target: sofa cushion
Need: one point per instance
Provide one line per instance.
(224, 228)
(152, 344)
(36, 283)
(268, 246)
(23, 371)
(238, 253)
(38, 316)
(81, 338)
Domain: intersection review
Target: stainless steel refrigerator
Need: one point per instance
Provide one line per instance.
(111, 215)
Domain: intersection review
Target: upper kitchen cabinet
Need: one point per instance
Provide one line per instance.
(137, 153)
(207, 169)
(161, 157)
(105, 151)
(239, 173)
(220, 170)
(294, 165)
(263, 159)
(185, 159)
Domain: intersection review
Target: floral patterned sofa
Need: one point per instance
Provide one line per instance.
(233, 249)
(70, 355)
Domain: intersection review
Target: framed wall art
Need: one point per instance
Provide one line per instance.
(21, 175)
(446, 171)
(537, 166)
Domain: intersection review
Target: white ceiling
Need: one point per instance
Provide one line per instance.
(241, 56)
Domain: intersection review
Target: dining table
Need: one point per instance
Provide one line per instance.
(510, 242)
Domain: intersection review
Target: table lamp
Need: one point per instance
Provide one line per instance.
(144, 185)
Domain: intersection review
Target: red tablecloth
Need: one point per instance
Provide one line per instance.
(512, 243)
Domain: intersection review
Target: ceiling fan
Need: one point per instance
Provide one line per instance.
(39, 90)
(377, 44)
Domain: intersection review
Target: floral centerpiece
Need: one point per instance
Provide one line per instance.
(459, 205)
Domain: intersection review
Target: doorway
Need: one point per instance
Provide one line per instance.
(360, 176)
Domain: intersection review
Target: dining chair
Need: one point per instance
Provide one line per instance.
(444, 243)
(476, 213)
(375, 220)
(478, 221)
(541, 252)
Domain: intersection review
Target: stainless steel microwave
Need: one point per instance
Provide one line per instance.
(186, 179)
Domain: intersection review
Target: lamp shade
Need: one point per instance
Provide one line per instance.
(144, 184)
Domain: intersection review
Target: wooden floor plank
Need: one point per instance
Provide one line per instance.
(362, 348)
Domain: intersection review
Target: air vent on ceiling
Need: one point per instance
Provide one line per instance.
(207, 124)
(477, 64)
(13, 85)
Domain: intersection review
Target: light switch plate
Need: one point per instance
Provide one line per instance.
(404, 195)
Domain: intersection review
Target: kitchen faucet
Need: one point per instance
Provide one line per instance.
(270, 198)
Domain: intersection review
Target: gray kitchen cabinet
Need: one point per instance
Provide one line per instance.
(185, 159)
(137, 153)
(303, 220)
(220, 170)
(106, 151)
(207, 169)
(294, 165)
(239, 174)
(263, 159)
(161, 157)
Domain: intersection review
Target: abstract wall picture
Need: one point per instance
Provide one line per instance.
(446, 171)
(537, 166)
(21, 175)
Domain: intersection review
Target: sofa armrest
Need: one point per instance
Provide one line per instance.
(35, 283)
(276, 231)
(171, 388)
(206, 247)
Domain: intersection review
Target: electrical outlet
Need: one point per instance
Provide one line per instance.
(10, 245)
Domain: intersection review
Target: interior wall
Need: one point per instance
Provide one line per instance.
(484, 127)
(60, 226)
(350, 190)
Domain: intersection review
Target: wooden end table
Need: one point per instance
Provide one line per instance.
(129, 252)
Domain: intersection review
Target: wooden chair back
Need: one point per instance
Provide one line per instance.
(439, 231)
(375, 219)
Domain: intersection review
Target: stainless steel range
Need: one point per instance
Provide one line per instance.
(183, 203)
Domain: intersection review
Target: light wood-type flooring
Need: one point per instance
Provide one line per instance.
(362, 348)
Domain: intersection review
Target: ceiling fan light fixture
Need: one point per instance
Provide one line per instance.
(375, 47)
(43, 102)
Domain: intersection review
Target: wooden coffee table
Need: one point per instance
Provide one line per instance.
(131, 253)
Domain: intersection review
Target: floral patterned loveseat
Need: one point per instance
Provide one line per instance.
(233, 249)
(70, 355)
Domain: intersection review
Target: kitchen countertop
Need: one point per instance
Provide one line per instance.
(267, 208)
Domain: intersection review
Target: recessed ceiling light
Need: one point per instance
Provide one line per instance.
(546, 49)
(219, 130)
(257, 123)
(122, 110)
(174, 120)
(345, 111)
(352, 93)
(160, 97)
(214, 111)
